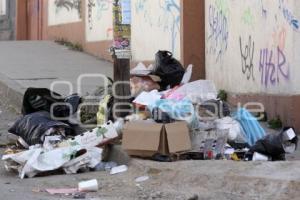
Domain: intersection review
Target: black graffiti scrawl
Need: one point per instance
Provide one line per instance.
(69, 5)
(247, 54)
(91, 5)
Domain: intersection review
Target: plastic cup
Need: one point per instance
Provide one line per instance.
(88, 186)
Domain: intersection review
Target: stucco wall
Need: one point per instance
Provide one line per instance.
(63, 12)
(2, 7)
(99, 20)
(77, 32)
(252, 45)
(155, 25)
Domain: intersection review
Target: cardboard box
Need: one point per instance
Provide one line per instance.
(145, 139)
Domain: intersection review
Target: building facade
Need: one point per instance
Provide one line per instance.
(252, 52)
(155, 25)
(247, 47)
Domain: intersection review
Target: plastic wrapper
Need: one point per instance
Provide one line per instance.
(251, 127)
(235, 132)
(197, 92)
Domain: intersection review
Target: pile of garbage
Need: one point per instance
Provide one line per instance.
(181, 119)
(174, 119)
(50, 139)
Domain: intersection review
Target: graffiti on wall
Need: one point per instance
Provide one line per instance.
(247, 55)
(248, 17)
(273, 67)
(68, 5)
(263, 10)
(99, 20)
(288, 15)
(165, 18)
(279, 37)
(171, 20)
(64, 11)
(253, 41)
(218, 32)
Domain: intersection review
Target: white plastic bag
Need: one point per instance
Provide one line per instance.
(197, 92)
(39, 160)
(235, 132)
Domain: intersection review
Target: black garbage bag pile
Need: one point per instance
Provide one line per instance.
(45, 113)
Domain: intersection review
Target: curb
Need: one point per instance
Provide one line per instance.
(11, 93)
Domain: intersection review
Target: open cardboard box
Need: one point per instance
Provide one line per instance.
(144, 139)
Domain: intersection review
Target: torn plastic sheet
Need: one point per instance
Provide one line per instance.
(70, 155)
(250, 126)
(197, 92)
(147, 98)
(95, 137)
(65, 154)
(179, 110)
(37, 160)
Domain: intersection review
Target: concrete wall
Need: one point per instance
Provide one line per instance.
(155, 26)
(2, 7)
(93, 23)
(79, 32)
(63, 11)
(252, 51)
(174, 25)
(99, 20)
(251, 46)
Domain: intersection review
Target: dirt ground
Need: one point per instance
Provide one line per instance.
(180, 180)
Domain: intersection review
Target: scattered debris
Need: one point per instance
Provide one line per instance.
(118, 169)
(174, 119)
(64, 191)
(142, 179)
(88, 186)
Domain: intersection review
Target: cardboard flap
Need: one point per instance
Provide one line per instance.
(163, 143)
(178, 137)
(141, 136)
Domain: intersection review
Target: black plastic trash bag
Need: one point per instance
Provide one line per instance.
(277, 145)
(33, 128)
(168, 69)
(41, 99)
